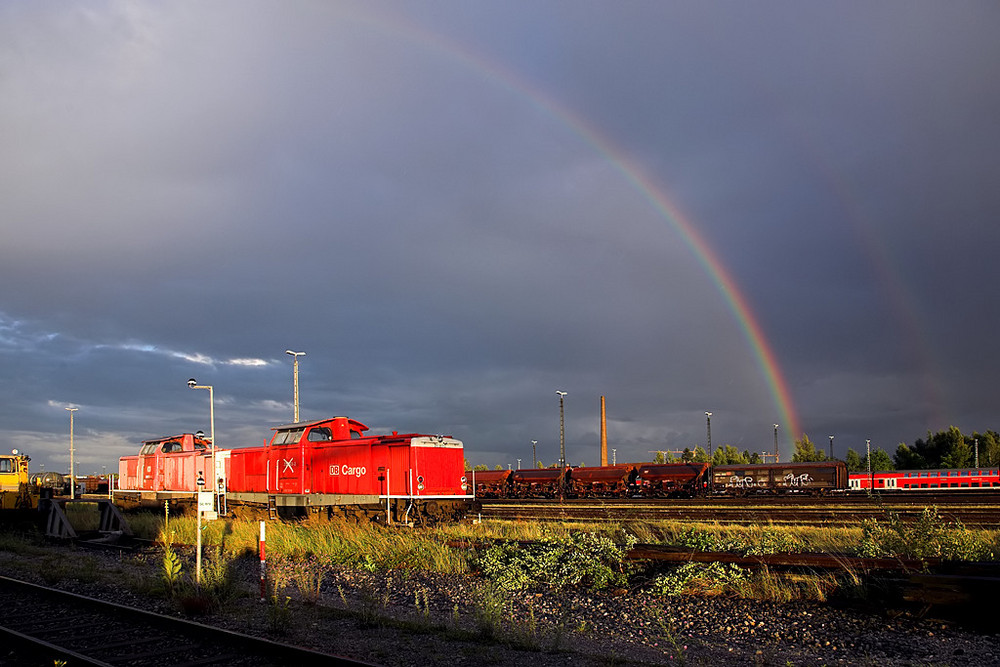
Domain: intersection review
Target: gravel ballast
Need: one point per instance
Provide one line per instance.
(402, 618)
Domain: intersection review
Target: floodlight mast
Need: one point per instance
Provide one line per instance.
(295, 378)
(72, 473)
(708, 419)
(562, 430)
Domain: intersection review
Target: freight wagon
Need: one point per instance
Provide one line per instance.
(810, 478)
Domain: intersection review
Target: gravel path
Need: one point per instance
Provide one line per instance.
(402, 618)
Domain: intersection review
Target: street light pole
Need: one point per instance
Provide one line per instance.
(614, 457)
(708, 419)
(831, 447)
(562, 430)
(295, 376)
(193, 384)
(534, 458)
(72, 474)
(519, 464)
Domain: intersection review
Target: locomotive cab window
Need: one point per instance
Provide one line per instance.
(6, 465)
(320, 434)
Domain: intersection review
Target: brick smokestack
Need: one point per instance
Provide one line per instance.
(604, 435)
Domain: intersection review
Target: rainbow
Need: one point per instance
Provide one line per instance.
(637, 178)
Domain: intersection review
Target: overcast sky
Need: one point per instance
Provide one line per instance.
(779, 212)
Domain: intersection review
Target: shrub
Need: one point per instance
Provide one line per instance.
(755, 542)
(701, 578)
(929, 536)
(581, 559)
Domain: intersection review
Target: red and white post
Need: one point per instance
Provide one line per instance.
(263, 566)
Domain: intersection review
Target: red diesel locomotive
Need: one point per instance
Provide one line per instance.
(317, 469)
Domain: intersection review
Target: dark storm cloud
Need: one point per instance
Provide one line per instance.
(400, 191)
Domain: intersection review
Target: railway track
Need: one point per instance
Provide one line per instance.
(40, 624)
(973, 510)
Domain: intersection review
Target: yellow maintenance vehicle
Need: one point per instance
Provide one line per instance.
(15, 490)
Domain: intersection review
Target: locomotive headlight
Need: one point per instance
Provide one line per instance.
(420, 482)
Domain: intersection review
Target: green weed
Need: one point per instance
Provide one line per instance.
(700, 578)
(929, 536)
(279, 615)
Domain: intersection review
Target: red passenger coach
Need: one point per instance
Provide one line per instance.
(938, 480)
(326, 468)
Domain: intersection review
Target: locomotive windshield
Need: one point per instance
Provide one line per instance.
(288, 437)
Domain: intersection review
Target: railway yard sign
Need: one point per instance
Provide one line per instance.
(205, 502)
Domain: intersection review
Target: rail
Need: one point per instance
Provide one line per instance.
(41, 621)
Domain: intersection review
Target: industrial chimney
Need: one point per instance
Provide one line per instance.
(604, 435)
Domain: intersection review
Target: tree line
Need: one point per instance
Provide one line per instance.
(944, 449)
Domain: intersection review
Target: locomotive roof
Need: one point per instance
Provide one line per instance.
(358, 426)
(180, 436)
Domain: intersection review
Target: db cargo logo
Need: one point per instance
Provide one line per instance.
(347, 471)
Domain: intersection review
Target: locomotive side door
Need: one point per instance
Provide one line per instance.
(147, 465)
(287, 469)
(399, 467)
